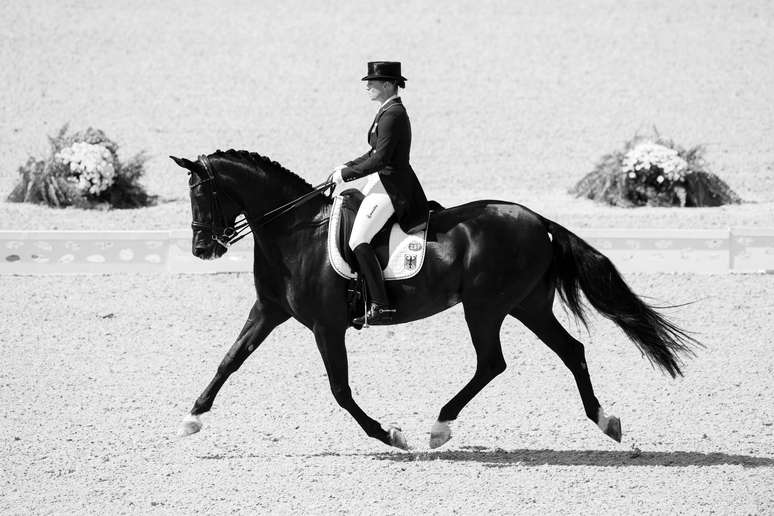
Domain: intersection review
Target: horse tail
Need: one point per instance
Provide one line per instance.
(578, 267)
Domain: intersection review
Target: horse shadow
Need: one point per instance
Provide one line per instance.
(524, 457)
(499, 458)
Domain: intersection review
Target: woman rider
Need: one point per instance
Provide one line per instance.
(392, 186)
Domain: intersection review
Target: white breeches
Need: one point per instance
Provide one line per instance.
(373, 213)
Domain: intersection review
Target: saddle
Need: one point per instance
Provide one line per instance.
(401, 255)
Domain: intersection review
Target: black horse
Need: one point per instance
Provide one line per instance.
(496, 258)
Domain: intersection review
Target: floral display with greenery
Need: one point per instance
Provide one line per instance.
(83, 170)
(654, 171)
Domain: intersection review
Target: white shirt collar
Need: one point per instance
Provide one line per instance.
(389, 99)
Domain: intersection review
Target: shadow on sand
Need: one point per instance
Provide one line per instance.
(505, 458)
(499, 458)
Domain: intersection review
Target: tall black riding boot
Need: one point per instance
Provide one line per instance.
(379, 311)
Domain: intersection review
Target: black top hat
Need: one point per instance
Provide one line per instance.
(384, 70)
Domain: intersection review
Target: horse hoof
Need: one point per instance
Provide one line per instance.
(614, 428)
(440, 434)
(396, 438)
(191, 425)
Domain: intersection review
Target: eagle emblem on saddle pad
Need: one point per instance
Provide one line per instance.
(405, 255)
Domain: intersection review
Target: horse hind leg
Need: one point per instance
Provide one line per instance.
(485, 332)
(572, 353)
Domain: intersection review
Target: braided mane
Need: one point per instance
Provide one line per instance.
(267, 165)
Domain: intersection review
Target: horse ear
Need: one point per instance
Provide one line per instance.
(185, 163)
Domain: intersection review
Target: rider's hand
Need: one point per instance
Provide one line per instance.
(336, 175)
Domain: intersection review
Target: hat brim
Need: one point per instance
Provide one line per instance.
(383, 78)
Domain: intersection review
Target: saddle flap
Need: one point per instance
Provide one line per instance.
(401, 255)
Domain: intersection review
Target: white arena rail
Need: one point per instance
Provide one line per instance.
(632, 250)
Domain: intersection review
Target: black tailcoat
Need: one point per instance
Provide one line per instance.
(390, 141)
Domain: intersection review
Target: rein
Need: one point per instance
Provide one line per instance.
(241, 228)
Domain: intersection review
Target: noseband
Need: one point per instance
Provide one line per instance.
(230, 234)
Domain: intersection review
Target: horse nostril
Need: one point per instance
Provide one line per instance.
(200, 251)
(201, 244)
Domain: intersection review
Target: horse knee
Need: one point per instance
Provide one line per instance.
(234, 359)
(499, 367)
(572, 354)
(342, 394)
(227, 367)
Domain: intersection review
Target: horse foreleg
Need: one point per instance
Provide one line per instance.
(572, 353)
(261, 321)
(485, 331)
(333, 350)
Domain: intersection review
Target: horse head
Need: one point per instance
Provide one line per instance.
(225, 184)
(214, 210)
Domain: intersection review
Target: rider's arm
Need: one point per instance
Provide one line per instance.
(380, 156)
(358, 160)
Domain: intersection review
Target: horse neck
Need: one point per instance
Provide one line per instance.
(263, 189)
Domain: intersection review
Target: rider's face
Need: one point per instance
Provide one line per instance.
(378, 90)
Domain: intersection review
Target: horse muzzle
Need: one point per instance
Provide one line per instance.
(208, 251)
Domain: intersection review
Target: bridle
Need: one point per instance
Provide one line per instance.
(227, 235)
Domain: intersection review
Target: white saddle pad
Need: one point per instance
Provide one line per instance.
(406, 252)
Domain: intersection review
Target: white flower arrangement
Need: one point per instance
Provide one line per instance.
(653, 171)
(82, 170)
(647, 156)
(90, 164)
